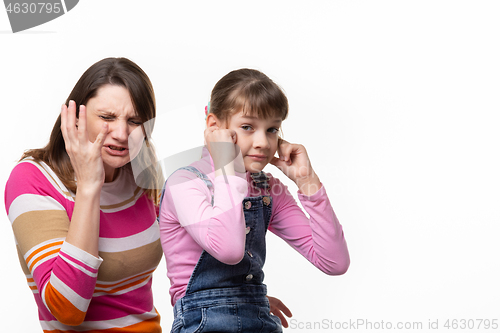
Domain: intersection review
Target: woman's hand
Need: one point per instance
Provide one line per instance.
(85, 156)
(87, 163)
(221, 144)
(295, 164)
(278, 309)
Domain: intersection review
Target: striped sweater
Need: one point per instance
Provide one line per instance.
(75, 291)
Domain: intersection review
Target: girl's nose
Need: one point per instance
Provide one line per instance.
(261, 141)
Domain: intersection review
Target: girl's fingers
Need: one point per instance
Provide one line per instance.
(234, 137)
(285, 151)
(277, 162)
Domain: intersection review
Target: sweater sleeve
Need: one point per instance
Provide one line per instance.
(63, 275)
(319, 238)
(218, 229)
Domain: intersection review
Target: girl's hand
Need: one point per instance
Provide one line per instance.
(278, 309)
(295, 164)
(85, 156)
(221, 144)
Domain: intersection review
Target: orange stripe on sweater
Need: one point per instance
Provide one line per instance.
(115, 290)
(150, 326)
(64, 311)
(41, 249)
(42, 257)
(100, 285)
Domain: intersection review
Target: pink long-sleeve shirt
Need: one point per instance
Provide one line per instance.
(190, 224)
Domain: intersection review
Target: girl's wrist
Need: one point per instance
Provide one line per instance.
(309, 185)
(227, 169)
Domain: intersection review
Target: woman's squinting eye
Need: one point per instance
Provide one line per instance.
(136, 122)
(105, 117)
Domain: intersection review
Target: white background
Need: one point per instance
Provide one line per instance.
(397, 103)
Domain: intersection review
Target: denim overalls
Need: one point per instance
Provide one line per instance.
(230, 298)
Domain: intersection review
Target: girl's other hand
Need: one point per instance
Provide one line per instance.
(278, 309)
(294, 162)
(85, 156)
(221, 144)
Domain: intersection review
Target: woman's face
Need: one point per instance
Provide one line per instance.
(113, 105)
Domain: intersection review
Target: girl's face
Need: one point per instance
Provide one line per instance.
(257, 139)
(113, 105)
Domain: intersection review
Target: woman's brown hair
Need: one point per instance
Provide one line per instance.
(115, 71)
(250, 91)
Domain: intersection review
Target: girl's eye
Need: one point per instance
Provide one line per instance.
(273, 130)
(246, 127)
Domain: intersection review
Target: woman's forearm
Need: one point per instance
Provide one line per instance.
(83, 229)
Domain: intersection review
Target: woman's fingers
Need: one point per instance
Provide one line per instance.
(81, 124)
(99, 141)
(68, 122)
(71, 119)
(64, 120)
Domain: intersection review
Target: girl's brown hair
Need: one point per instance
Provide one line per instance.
(250, 91)
(115, 71)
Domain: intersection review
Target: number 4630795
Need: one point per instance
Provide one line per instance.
(471, 324)
(32, 8)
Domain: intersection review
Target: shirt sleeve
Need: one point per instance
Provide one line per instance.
(218, 229)
(63, 275)
(319, 238)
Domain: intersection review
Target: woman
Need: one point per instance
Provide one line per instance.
(95, 272)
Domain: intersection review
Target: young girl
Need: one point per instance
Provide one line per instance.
(215, 213)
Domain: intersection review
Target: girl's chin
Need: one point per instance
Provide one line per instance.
(254, 169)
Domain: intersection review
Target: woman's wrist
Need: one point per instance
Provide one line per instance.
(89, 190)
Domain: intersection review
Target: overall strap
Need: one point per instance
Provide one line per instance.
(199, 174)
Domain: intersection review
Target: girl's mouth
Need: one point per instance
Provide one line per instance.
(258, 157)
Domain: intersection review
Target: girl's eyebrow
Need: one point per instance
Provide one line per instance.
(276, 120)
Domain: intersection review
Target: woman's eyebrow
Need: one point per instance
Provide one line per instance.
(105, 111)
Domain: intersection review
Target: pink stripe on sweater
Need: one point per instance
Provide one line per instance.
(78, 262)
(127, 218)
(108, 307)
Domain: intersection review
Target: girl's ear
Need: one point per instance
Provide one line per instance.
(212, 120)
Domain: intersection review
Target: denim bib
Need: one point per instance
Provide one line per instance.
(230, 298)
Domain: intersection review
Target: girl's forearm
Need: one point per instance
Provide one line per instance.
(309, 186)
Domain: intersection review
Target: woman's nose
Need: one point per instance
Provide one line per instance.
(120, 131)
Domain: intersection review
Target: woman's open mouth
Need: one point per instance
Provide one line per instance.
(116, 150)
